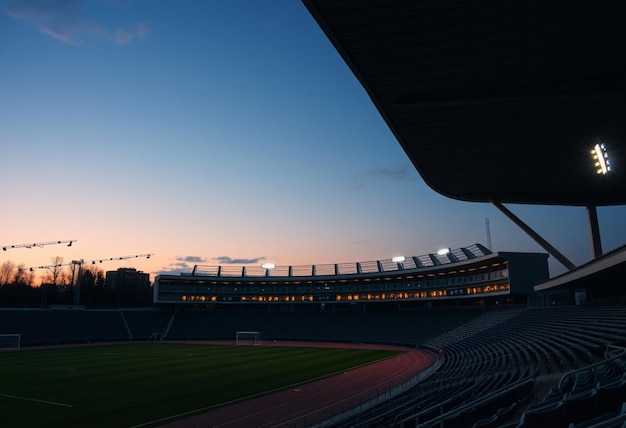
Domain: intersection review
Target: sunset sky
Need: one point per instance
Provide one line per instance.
(214, 132)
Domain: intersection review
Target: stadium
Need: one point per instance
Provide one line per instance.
(492, 104)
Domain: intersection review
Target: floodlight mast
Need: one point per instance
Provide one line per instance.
(80, 264)
(399, 260)
(37, 244)
(600, 156)
(602, 163)
(268, 267)
(79, 276)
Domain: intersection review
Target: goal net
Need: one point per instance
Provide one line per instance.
(248, 338)
(10, 341)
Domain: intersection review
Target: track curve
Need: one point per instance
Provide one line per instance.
(316, 401)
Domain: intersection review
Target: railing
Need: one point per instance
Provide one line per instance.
(355, 268)
(344, 409)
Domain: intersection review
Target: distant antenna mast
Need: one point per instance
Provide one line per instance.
(488, 233)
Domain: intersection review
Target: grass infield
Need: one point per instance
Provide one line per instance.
(135, 384)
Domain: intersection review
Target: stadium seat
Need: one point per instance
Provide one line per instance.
(611, 395)
(580, 407)
(547, 415)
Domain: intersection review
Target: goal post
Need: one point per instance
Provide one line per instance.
(10, 342)
(248, 338)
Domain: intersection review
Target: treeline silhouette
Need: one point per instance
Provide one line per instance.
(58, 287)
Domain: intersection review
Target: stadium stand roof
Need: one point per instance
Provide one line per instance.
(495, 101)
(440, 258)
(602, 275)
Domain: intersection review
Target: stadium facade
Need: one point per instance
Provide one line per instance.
(467, 276)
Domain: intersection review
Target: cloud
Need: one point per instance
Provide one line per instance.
(191, 259)
(182, 264)
(124, 36)
(175, 269)
(61, 19)
(395, 174)
(57, 18)
(185, 264)
(238, 261)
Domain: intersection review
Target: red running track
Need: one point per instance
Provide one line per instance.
(316, 401)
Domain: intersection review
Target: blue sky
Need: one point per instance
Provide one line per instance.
(217, 131)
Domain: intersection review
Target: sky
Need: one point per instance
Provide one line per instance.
(213, 133)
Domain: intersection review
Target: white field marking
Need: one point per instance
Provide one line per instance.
(35, 400)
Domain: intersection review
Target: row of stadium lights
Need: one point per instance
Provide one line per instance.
(396, 259)
(601, 158)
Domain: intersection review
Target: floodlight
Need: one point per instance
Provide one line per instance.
(398, 259)
(443, 251)
(268, 265)
(601, 158)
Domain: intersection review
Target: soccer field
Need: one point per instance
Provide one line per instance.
(137, 384)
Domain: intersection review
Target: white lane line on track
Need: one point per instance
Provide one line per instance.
(53, 403)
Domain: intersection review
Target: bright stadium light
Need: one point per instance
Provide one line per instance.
(601, 158)
(398, 259)
(443, 251)
(268, 266)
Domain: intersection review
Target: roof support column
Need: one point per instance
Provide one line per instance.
(594, 230)
(544, 244)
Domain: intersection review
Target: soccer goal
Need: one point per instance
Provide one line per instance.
(10, 342)
(248, 338)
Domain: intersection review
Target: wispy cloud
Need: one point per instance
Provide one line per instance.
(191, 259)
(174, 269)
(394, 174)
(57, 18)
(185, 264)
(124, 36)
(182, 264)
(62, 20)
(238, 261)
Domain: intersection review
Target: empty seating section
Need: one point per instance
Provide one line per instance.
(514, 361)
(53, 327)
(407, 327)
(513, 367)
(144, 325)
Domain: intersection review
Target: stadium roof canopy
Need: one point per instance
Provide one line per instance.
(599, 275)
(495, 101)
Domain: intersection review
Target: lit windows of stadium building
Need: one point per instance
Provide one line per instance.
(463, 277)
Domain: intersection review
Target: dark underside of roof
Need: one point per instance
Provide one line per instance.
(495, 100)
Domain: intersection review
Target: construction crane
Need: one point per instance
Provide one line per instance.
(37, 244)
(82, 262)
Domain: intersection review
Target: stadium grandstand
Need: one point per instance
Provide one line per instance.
(466, 276)
(492, 102)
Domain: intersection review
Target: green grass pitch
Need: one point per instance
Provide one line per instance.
(127, 385)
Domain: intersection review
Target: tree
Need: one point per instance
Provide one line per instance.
(7, 273)
(23, 275)
(55, 274)
(93, 288)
